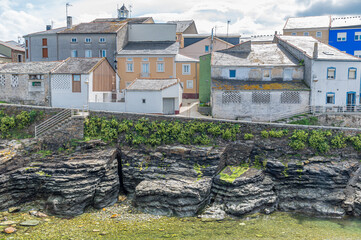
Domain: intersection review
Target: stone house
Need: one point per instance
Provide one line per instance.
(26, 83)
(333, 76)
(11, 52)
(259, 82)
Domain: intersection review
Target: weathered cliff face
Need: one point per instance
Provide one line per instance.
(68, 183)
(171, 180)
(182, 180)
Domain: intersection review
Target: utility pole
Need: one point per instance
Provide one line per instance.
(130, 10)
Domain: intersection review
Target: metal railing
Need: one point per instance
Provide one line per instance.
(53, 122)
(316, 110)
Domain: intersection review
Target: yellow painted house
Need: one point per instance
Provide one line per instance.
(157, 60)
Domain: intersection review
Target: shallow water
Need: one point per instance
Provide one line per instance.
(129, 224)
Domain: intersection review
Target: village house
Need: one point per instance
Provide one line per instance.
(157, 96)
(153, 53)
(258, 82)
(78, 81)
(315, 26)
(184, 27)
(26, 83)
(333, 76)
(345, 34)
(11, 52)
(102, 37)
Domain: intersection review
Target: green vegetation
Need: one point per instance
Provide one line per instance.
(339, 141)
(155, 133)
(12, 127)
(44, 153)
(231, 173)
(306, 121)
(248, 136)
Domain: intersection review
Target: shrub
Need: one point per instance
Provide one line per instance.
(318, 140)
(300, 135)
(264, 134)
(297, 144)
(356, 142)
(339, 141)
(22, 120)
(248, 136)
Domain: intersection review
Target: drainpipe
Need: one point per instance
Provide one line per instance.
(49, 89)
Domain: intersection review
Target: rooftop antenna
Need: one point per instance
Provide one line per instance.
(130, 10)
(67, 7)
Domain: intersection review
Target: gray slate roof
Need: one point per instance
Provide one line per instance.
(260, 55)
(151, 84)
(77, 65)
(150, 48)
(12, 46)
(306, 45)
(95, 27)
(182, 25)
(52, 31)
(28, 67)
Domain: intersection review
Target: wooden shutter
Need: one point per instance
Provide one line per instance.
(45, 53)
(45, 42)
(76, 85)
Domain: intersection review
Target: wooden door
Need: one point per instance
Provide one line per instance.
(76, 85)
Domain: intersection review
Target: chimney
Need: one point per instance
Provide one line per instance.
(69, 22)
(48, 27)
(315, 51)
(275, 33)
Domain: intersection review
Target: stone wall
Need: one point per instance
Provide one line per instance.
(250, 127)
(340, 120)
(16, 109)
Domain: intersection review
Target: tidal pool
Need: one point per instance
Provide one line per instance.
(123, 222)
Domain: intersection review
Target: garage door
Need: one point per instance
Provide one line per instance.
(168, 106)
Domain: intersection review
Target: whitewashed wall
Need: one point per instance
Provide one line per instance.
(257, 112)
(107, 106)
(62, 95)
(340, 85)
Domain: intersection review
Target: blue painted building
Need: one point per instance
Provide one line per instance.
(345, 34)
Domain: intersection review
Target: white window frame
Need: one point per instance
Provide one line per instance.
(352, 70)
(319, 34)
(293, 34)
(341, 36)
(306, 34)
(129, 67)
(160, 67)
(87, 55)
(160, 59)
(88, 40)
(129, 59)
(229, 73)
(74, 40)
(102, 40)
(190, 84)
(74, 53)
(205, 48)
(357, 36)
(186, 69)
(145, 59)
(148, 68)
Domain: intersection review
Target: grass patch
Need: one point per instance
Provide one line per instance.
(311, 121)
(231, 173)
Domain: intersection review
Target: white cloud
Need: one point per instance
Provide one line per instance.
(247, 16)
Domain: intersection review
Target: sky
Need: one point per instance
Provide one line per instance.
(247, 17)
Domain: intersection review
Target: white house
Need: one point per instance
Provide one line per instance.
(158, 96)
(79, 81)
(332, 75)
(258, 82)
